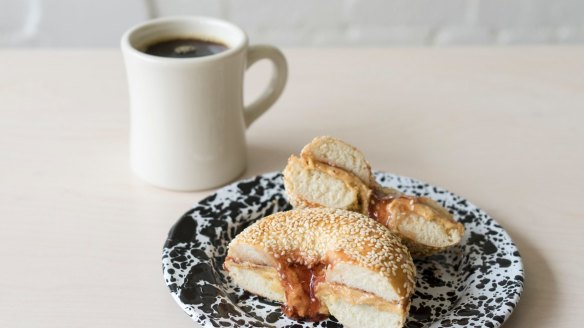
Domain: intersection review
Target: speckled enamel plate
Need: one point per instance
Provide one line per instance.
(474, 284)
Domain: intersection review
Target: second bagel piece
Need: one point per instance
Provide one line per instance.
(332, 173)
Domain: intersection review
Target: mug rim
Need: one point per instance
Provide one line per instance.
(239, 45)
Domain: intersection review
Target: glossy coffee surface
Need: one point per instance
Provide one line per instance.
(185, 48)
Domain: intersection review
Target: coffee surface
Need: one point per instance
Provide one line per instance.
(185, 48)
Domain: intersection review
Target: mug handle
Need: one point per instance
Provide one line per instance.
(277, 83)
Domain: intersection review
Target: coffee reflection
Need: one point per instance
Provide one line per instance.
(185, 48)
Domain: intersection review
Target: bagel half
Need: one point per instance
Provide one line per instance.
(332, 173)
(325, 261)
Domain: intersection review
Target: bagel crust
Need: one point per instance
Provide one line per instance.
(315, 249)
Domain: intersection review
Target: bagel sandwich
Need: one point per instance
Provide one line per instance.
(324, 261)
(332, 173)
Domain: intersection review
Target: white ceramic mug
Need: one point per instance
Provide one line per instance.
(188, 121)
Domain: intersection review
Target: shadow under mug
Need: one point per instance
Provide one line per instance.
(187, 116)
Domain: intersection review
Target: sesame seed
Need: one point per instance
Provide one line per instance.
(305, 236)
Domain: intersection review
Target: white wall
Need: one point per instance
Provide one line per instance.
(304, 22)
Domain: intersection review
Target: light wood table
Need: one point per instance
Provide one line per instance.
(81, 237)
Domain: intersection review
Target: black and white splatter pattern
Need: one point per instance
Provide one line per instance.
(474, 284)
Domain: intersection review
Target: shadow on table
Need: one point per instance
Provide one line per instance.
(540, 300)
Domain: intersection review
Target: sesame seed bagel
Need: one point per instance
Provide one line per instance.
(325, 261)
(331, 173)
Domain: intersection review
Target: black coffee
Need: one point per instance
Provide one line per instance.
(185, 48)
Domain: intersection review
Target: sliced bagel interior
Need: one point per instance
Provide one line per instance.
(424, 225)
(315, 184)
(335, 152)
